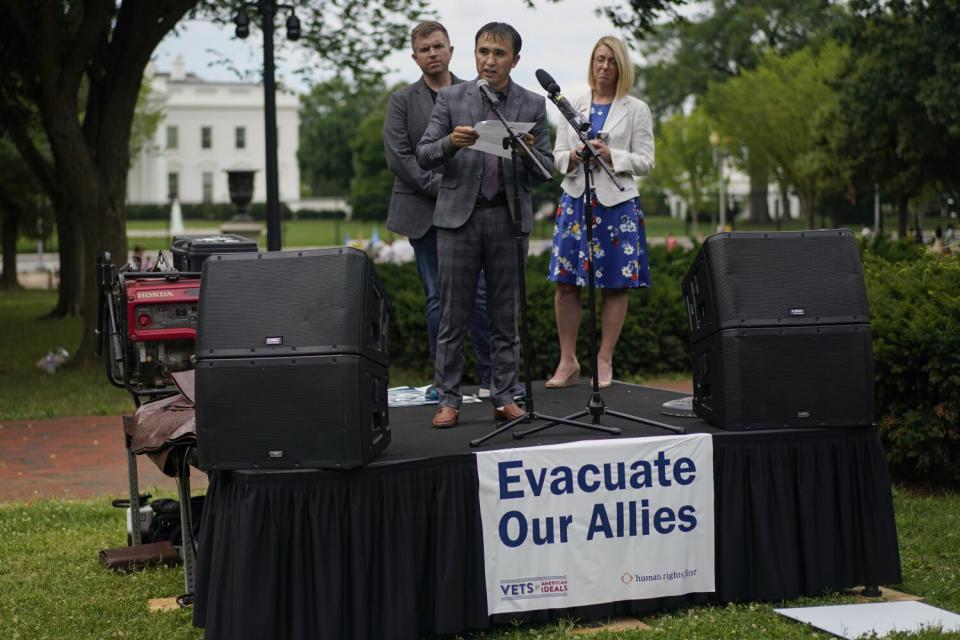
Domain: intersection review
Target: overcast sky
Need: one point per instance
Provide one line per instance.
(556, 37)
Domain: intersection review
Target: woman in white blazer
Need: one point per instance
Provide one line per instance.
(622, 135)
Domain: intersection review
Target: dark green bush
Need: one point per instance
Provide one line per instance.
(321, 214)
(892, 250)
(653, 339)
(200, 211)
(915, 309)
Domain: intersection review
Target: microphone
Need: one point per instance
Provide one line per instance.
(553, 92)
(488, 93)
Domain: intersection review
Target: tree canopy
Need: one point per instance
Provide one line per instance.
(685, 164)
(372, 179)
(79, 66)
(330, 115)
(775, 110)
(897, 123)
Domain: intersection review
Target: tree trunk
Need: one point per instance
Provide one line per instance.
(105, 232)
(903, 216)
(89, 214)
(70, 244)
(759, 181)
(808, 203)
(784, 203)
(11, 229)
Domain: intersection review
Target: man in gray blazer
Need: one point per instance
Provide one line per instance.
(415, 190)
(474, 216)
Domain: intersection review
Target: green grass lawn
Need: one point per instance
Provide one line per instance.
(54, 588)
(315, 233)
(25, 391)
(318, 233)
(300, 233)
(28, 393)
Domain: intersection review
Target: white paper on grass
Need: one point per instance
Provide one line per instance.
(492, 133)
(882, 618)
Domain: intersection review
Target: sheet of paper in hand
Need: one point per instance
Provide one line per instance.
(492, 133)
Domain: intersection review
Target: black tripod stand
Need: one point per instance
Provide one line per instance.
(596, 407)
(512, 140)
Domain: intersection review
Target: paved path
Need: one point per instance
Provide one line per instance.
(74, 457)
(82, 457)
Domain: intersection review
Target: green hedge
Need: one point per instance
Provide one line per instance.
(321, 214)
(653, 339)
(915, 310)
(202, 211)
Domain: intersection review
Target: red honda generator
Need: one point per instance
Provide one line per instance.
(148, 319)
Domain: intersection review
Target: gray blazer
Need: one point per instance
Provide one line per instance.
(414, 189)
(463, 104)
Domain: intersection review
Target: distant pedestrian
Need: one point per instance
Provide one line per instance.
(140, 261)
(937, 245)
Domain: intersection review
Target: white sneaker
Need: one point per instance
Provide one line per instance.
(483, 392)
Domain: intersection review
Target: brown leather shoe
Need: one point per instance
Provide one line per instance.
(445, 417)
(509, 412)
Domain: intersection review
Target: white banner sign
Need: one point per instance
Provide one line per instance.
(597, 521)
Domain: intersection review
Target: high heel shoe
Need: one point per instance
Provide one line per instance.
(569, 381)
(602, 382)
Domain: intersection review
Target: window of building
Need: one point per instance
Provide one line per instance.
(173, 185)
(173, 139)
(208, 186)
(240, 137)
(206, 137)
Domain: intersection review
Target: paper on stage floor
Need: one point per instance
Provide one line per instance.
(492, 133)
(882, 618)
(415, 397)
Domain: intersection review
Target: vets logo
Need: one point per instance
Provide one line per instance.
(528, 588)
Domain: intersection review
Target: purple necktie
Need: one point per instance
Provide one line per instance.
(489, 186)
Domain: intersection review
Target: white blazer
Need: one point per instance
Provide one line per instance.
(629, 134)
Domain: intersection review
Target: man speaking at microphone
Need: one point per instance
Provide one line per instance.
(473, 217)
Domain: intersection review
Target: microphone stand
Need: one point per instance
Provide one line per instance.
(511, 141)
(596, 407)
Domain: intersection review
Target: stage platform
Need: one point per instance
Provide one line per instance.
(394, 550)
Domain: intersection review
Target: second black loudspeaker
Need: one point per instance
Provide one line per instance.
(292, 361)
(779, 331)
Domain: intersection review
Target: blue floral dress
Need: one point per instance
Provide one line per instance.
(619, 236)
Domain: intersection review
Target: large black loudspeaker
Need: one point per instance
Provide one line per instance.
(292, 361)
(780, 333)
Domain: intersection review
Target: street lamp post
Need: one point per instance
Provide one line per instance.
(267, 10)
(41, 266)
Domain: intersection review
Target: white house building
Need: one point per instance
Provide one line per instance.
(208, 128)
(737, 187)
